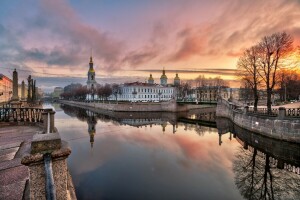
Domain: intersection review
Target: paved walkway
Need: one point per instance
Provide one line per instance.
(13, 174)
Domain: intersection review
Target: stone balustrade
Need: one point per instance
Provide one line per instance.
(280, 126)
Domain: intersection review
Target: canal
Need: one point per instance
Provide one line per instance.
(160, 156)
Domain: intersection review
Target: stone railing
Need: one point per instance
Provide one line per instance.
(36, 116)
(280, 125)
(49, 177)
(46, 158)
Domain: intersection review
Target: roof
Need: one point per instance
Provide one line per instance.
(142, 84)
(3, 76)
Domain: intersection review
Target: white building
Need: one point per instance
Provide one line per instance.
(138, 91)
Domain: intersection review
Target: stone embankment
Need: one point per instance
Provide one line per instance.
(27, 137)
(170, 106)
(282, 125)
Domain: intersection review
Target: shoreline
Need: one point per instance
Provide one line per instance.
(170, 106)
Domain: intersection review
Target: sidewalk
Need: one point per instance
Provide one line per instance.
(13, 174)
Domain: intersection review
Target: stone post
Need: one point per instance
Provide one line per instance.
(245, 145)
(45, 120)
(246, 109)
(29, 94)
(52, 127)
(23, 91)
(15, 96)
(281, 113)
(280, 164)
(58, 151)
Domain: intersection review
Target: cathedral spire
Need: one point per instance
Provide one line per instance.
(91, 58)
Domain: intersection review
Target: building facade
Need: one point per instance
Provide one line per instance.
(6, 87)
(138, 91)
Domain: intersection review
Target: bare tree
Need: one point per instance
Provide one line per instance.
(271, 52)
(116, 90)
(248, 71)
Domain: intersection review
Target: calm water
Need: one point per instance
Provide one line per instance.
(144, 156)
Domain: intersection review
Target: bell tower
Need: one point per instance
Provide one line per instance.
(91, 82)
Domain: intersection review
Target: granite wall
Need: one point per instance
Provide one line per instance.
(281, 127)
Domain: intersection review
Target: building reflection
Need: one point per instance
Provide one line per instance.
(264, 168)
(191, 120)
(91, 120)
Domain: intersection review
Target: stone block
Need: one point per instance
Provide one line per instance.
(45, 142)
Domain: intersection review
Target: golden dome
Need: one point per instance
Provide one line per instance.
(150, 78)
(92, 70)
(177, 77)
(164, 74)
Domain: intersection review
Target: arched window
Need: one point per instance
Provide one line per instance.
(92, 77)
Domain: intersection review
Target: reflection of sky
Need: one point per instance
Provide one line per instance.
(147, 163)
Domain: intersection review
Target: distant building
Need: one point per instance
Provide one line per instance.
(6, 86)
(210, 93)
(57, 92)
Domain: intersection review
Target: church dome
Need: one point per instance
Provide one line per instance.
(150, 78)
(177, 77)
(163, 76)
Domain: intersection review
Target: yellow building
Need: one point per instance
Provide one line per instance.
(6, 86)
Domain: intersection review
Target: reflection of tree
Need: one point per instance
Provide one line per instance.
(199, 130)
(257, 178)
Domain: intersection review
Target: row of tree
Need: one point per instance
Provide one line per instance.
(260, 66)
(79, 92)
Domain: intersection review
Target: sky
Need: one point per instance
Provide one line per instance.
(129, 39)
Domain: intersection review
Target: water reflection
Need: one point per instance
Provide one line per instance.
(161, 156)
(264, 168)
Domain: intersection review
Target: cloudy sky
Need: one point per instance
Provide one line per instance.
(52, 40)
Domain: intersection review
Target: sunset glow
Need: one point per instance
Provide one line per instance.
(54, 38)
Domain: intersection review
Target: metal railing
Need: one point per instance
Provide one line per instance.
(50, 186)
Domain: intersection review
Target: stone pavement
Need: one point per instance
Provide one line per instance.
(13, 174)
